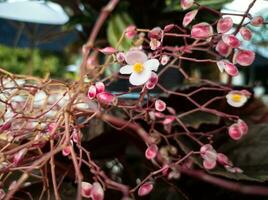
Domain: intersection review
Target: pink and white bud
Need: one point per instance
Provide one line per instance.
(131, 32)
(245, 33)
(92, 91)
(223, 49)
(209, 164)
(205, 148)
(242, 126)
(145, 189)
(66, 151)
(244, 57)
(86, 189)
(97, 192)
(224, 25)
(228, 67)
(257, 21)
(202, 31)
(150, 84)
(156, 33)
(185, 4)
(106, 98)
(189, 17)
(154, 44)
(120, 57)
(234, 132)
(164, 60)
(18, 157)
(231, 40)
(223, 159)
(100, 87)
(151, 151)
(108, 50)
(160, 105)
(2, 194)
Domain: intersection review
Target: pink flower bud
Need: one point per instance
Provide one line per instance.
(151, 151)
(242, 126)
(159, 114)
(131, 31)
(169, 27)
(97, 191)
(100, 87)
(76, 137)
(168, 120)
(92, 91)
(150, 84)
(189, 17)
(245, 33)
(51, 127)
(209, 164)
(2, 194)
(231, 40)
(145, 189)
(19, 156)
(164, 60)
(257, 21)
(223, 49)
(5, 126)
(160, 105)
(66, 151)
(185, 4)
(234, 132)
(224, 25)
(156, 33)
(120, 57)
(154, 44)
(202, 31)
(106, 98)
(223, 159)
(86, 189)
(205, 148)
(228, 67)
(108, 50)
(244, 57)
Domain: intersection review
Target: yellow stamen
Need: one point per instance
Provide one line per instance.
(236, 97)
(138, 67)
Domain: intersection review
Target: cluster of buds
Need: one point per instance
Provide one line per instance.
(238, 130)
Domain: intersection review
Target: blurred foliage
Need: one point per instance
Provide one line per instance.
(39, 63)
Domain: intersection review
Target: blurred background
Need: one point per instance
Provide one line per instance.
(45, 37)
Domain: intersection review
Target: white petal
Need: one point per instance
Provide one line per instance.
(236, 104)
(152, 64)
(140, 79)
(127, 69)
(136, 56)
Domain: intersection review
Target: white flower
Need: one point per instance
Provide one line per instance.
(237, 98)
(139, 67)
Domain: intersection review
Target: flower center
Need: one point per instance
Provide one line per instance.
(138, 67)
(236, 97)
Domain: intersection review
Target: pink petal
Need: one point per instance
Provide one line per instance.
(145, 189)
(18, 157)
(86, 189)
(106, 98)
(202, 31)
(108, 50)
(234, 132)
(242, 126)
(185, 4)
(168, 120)
(156, 33)
(66, 151)
(100, 87)
(120, 57)
(223, 49)
(92, 91)
(131, 31)
(209, 164)
(245, 33)
(189, 17)
(150, 84)
(257, 21)
(160, 105)
(223, 159)
(231, 40)
(228, 67)
(224, 25)
(135, 56)
(97, 191)
(151, 152)
(244, 57)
